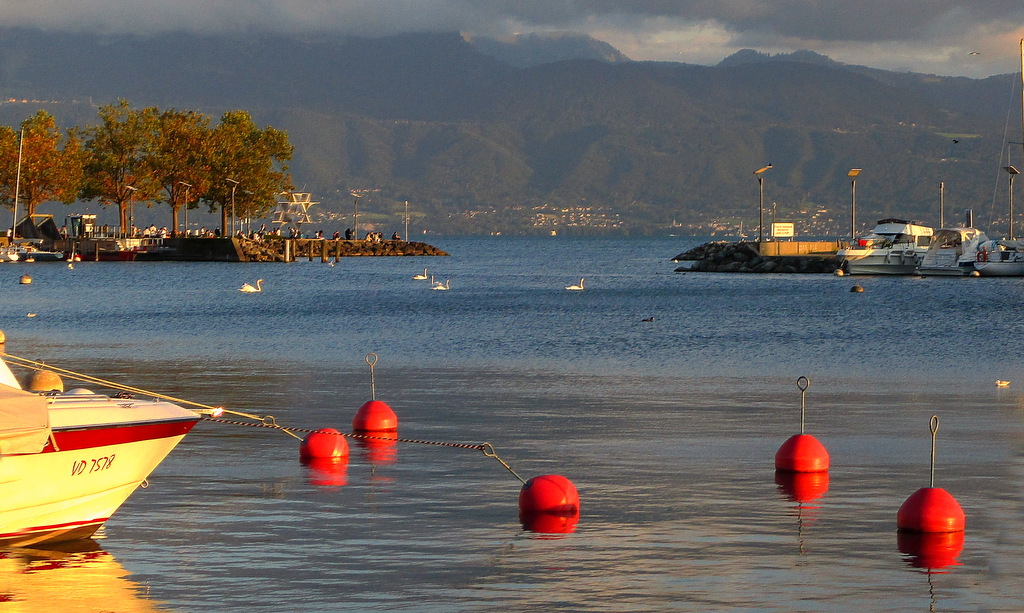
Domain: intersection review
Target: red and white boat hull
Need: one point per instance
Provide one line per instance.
(100, 449)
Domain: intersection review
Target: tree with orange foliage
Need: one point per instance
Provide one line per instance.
(51, 164)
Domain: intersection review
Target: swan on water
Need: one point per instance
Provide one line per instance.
(422, 277)
(249, 289)
(575, 287)
(442, 286)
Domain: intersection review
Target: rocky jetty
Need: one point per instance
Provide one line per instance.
(282, 250)
(745, 257)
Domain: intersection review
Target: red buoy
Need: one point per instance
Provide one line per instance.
(931, 509)
(324, 443)
(375, 416)
(553, 494)
(802, 486)
(802, 453)
(931, 550)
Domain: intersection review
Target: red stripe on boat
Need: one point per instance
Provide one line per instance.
(100, 436)
(90, 523)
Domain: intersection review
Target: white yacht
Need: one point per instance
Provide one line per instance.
(953, 252)
(893, 247)
(1000, 258)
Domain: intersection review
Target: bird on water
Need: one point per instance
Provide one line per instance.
(576, 288)
(250, 289)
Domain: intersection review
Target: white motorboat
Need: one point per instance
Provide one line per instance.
(10, 254)
(893, 247)
(1000, 258)
(953, 252)
(27, 252)
(69, 460)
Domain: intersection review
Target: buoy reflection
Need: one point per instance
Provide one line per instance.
(930, 550)
(550, 523)
(802, 487)
(379, 447)
(327, 472)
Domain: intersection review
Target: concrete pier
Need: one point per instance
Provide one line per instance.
(767, 257)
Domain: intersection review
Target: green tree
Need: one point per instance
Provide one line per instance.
(50, 165)
(255, 159)
(180, 159)
(116, 168)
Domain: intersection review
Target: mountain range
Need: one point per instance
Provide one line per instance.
(534, 134)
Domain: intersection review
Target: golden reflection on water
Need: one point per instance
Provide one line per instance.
(70, 577)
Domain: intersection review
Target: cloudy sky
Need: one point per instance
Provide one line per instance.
(975, 38)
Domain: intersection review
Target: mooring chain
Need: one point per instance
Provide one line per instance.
(213, 413)
(269, 422)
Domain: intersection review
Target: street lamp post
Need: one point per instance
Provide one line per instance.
(1012, 172)
(760, 202)
(853, 209)
(406, 220)
(234, 186)
(188, 186)
(131, 209)
(355, 216)
(942, 204)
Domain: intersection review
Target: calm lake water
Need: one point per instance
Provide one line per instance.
(668, 428)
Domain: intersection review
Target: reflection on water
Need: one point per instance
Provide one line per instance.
(930, 550)
(667, 430)
(69, 578)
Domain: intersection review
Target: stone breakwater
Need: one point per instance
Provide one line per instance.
(746, 257)
(269, 249)
(286, 250)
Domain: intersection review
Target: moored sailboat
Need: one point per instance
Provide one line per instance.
(1005, 258)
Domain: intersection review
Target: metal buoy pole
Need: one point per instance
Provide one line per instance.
(373, 387)
(803, 383)
(934, 425)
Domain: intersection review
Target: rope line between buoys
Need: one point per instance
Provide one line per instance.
(486, 448)
(212, 413)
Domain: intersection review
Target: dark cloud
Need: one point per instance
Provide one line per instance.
(924, 35)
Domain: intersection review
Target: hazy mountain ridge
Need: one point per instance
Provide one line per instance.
(475, 143)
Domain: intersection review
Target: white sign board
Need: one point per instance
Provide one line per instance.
(782, 230)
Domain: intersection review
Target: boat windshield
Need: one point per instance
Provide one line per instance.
(948, 239)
